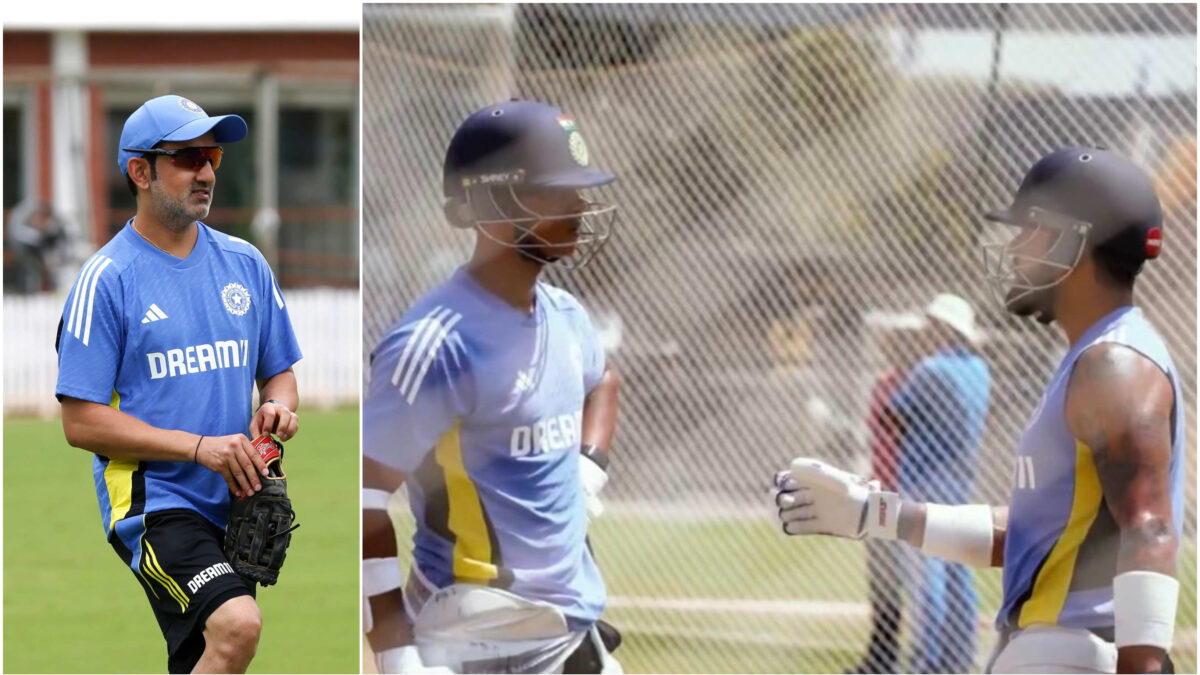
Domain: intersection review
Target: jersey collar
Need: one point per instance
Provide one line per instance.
(496, 303)
(194, 258)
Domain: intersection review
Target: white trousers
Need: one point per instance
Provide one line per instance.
(1054, 649)
(470, 628)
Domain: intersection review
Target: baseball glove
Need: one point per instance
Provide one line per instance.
(260, 526)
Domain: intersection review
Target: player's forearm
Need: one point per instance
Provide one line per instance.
(390, 627)
(1145, 546)
(280, 387)
(1149, 546)
(107, 431)
(600, 411)
(960, 536)
(379, 538)
(999, 534)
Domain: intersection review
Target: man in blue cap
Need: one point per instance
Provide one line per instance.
(1089, 537)
(163, 337)
(492, 401)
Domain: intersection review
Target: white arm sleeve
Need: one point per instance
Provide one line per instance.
(960, 534)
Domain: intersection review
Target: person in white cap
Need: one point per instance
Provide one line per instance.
(941, 410)
(169, 327)
(938, 410)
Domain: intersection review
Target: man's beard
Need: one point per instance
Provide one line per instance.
(176, 215)
(1039, 303)
(540, 252)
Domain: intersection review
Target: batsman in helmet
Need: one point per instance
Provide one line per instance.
(1089, 537)
(491, 400)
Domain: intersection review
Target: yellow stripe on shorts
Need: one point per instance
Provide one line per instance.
(155, 570)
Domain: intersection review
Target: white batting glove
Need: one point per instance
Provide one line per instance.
(592, 479)
(406, 659)
(816, 498)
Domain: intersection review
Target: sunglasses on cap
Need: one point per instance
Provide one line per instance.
(191, 158)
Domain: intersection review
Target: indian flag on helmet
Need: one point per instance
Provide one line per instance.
(567, 123)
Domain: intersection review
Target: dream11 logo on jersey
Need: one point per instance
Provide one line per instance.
(198, 358)
(551, 434)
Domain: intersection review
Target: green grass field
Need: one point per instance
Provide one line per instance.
(734, 595)
(763, 602)
(71, 606)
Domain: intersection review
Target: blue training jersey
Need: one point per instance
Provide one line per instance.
(1060, 553)
(176, 343)
(480, 405)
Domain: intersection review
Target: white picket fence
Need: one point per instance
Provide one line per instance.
(327, 323)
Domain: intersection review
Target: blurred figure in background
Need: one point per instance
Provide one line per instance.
(34, 242)
(940, 409)
(901, 343)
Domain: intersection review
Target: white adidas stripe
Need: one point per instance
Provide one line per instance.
(425, 327)
(84, 284)
(412, 395)
(87, 331)
(80, 284)
(69, 315)
(158, 312)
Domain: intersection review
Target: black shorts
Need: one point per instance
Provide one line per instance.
(186, 576)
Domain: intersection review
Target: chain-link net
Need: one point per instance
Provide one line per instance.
(793, 179)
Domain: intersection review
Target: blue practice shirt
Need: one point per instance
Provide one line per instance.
(178, 344)
(1060, 553)
(481, 406)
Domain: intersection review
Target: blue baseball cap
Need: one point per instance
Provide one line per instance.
(174, 118)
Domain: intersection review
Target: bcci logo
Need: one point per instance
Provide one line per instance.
(236, 299)
(190, 106)
(579, 151)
